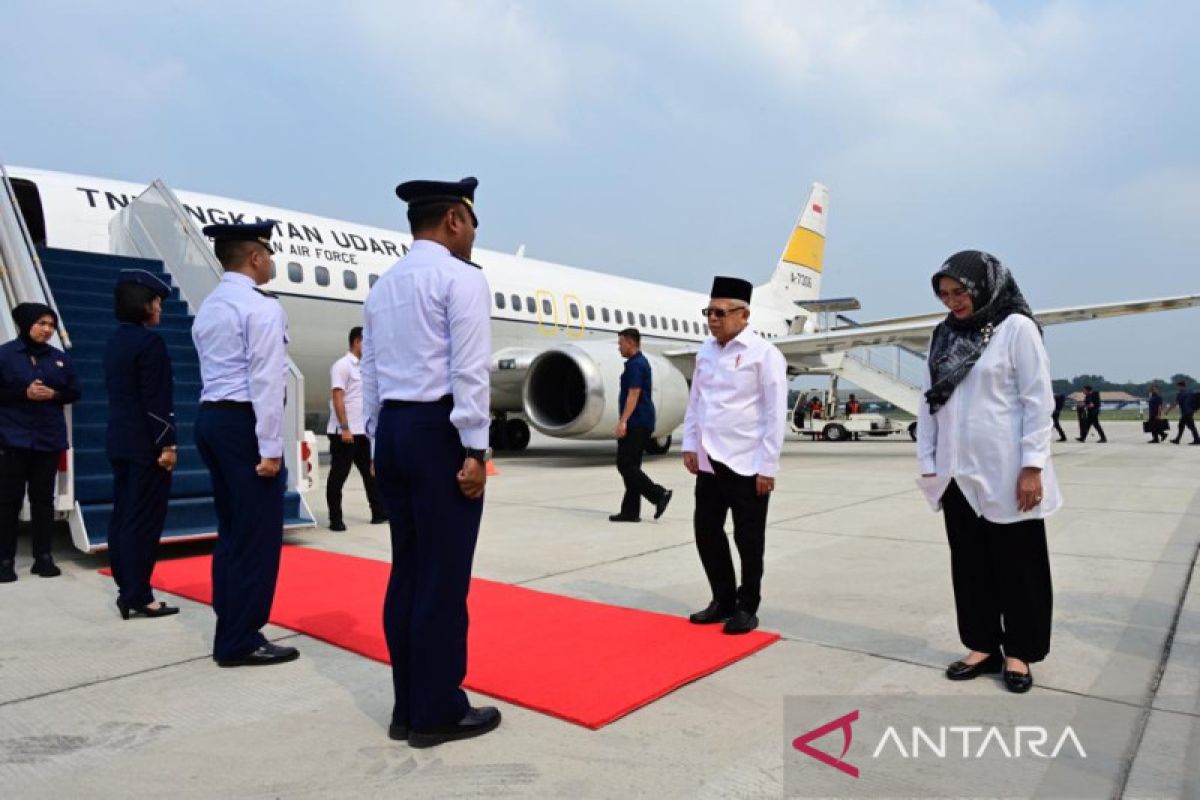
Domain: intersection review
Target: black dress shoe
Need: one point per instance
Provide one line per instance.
(661, 505)
(623, 518)
(1018, 682)
(337, 525)
(398, 731)
(962, 671)
(1079, 438)
(45, 566)
(265, 655)
(713, 614)
(7, 573)
(742, 621)
(163, 610)
(477, 722)
(379, 519)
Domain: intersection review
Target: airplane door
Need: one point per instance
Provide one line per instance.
(547, 311)
(574, 315)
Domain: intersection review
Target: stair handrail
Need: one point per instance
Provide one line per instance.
(22, 274)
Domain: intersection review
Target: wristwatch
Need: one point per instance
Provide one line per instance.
(482, 456)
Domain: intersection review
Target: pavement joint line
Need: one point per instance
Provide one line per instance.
(1156, 681)
(122, 676)
(862, 502)
(603, 563)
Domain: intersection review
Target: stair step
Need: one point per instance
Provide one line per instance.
(87, 283)
(57, 254)
(85, 300)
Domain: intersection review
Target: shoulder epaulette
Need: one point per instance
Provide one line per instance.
(467, 261)
(265, 293)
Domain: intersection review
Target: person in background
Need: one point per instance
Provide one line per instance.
(348, 442)
(983, 448)
(1091, 406)
(1158, 433)
(1186, 402)
(36, 381)
(634, 429)
(140, 439)
(1060, 400)
(854, 407)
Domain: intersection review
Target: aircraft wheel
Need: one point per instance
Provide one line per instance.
(498, 435)
(834, 433)
(659, 446)
(518, 434)
(912, 430)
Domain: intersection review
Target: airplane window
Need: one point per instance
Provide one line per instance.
(322, 276)
(696, 327)
(674, 324)
(653, 321)
(371, 280)
(532, 306)
(295, 272)
(574, 311)
(516, 302)
(499, 301)
(619, 320)
(641, 318)
(663, 320)
(350, 279)
(604, 314)
(274, 272)
(547, 309)
(591, 312)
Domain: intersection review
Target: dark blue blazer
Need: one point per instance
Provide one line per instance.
(141, 387)
(34, 424)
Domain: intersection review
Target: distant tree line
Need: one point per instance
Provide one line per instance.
(1166, 387)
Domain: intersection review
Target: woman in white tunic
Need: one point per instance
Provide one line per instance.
(983, 443)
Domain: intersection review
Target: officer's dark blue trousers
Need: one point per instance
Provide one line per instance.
(418, 453)
(21, 467)
(140, 493)
(249, 528)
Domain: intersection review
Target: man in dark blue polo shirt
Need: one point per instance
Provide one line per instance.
(634, 428)
(1186, 402)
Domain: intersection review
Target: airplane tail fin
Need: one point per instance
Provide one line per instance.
(797, 277)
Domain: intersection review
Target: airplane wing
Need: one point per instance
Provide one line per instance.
(913, 332)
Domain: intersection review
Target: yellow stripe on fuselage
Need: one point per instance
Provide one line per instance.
(805, 249)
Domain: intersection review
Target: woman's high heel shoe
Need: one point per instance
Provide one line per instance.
(163, 610)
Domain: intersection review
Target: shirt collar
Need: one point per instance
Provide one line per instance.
(743, 339)
(428, 244)
(353, 358)
(239, 278)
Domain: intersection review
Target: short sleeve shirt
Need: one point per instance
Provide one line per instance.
(637, 376)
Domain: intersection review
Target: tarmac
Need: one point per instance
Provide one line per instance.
(857, 582)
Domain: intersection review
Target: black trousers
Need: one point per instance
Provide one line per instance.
(22, 469)
(434, 528)
(140, 494)
(629, 464)
(245, 563)
(342, 456)
(1187, 421)
(1058, 426)
(1001, 574)
(717, 494)
(1092, 420)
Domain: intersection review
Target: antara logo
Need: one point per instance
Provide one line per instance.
(841, 723)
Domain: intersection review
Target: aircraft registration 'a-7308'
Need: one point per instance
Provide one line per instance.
(555, 363)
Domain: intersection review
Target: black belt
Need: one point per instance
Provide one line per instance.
(239, 405)
(444, 400)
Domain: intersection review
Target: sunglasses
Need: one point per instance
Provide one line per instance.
(720, 313)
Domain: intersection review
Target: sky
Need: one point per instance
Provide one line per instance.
(670, 140)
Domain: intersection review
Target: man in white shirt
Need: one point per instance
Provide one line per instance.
(348, 443)
(426, 370)
(732, 436)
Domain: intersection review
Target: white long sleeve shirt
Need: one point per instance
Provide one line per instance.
(737, 407)
(426, 334)
(996, 421)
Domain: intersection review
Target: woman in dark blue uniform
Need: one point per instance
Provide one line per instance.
(36, 381)
(141, 439)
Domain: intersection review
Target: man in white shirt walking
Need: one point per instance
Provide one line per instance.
(348, 442)
(732, 436)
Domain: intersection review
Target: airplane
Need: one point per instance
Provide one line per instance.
(555, 365)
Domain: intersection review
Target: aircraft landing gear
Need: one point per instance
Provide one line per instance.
(508, 434)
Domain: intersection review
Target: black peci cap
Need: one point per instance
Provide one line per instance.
(731, 288)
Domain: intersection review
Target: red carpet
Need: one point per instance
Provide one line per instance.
(585, 662)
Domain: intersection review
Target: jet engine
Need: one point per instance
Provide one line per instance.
(573, 390)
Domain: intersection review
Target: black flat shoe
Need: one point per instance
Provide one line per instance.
(7, 573)
(477, 722)
(163, 610)
(962, 671)
(398, 732)
(45, 567)
(264, 656)
(713, 614)
(1018, 682)
(661, 505)
(337, 525)
(623, 518)
(379, 519)
(741, 622)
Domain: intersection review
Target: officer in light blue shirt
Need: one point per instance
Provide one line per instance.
(425, 373)
(240, 333)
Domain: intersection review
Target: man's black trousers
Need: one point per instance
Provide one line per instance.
(629, 464)
(718, 493)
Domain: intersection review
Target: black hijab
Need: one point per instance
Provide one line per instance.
(958, 343)
(25, 315)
